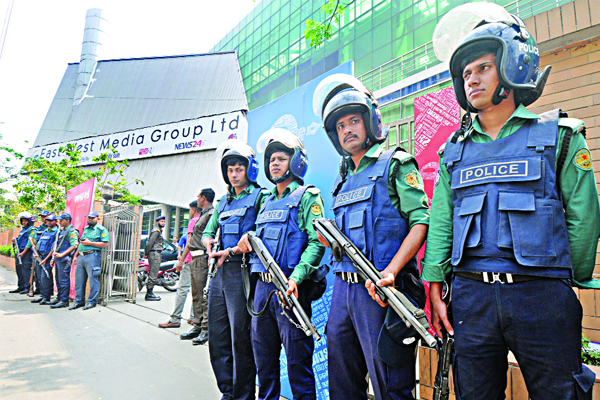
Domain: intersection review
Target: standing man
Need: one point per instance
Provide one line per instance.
(67, 240)
(381, 206)
(229, 343)
(24, 254)
(38, 234)
(199, 268)
(185, 278)
(94, 238)
(44, 247)
(153, 250)
(284, 224)
(512, 241)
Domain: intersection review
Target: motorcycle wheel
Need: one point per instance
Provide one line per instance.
(142, 280)
(170, 280)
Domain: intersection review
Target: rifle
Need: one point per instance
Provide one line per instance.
(411, 315)
(54, 247)
(213, 264)
(445, 351)
(17, 250)
(281, 283)
(35, 251)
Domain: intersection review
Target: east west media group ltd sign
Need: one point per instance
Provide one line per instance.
(171, 138)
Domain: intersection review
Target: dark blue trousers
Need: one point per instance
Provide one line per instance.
(20, 278)
(229, 341)
(353, 327)
(271, 330)
(63, 277)
(539, 321)
(38, 276)
(25, 271)
(47, 279)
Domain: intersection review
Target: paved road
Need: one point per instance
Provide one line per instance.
(114, 352)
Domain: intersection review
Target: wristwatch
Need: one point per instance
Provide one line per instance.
(231, 253)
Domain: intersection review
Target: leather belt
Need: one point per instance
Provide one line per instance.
(85, 253)
(493, 277)
(350, 277)
(265, 277)
(197, 253)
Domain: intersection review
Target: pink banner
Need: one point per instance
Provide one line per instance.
(80, 201)
(437, 116)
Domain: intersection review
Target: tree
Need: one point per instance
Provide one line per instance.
(44, 184)
(316, 33)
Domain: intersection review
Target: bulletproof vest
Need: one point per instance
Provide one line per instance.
(507, 207)
(63, 241)
(277, 226)
(237, 217)
(158, 242)
(46, 242)
(364, 212)
(23, 238)
(196, 237)
(40, 231)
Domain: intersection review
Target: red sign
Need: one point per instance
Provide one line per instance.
(80, 201)
(437, 116)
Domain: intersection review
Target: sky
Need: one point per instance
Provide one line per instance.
(43, 36)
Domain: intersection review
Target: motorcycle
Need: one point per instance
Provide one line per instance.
(167, 275)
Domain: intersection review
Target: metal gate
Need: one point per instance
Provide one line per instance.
(120, 260)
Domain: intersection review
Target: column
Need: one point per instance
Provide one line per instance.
(177, 222)
(166, 211)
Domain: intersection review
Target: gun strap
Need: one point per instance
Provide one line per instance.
(63, 239)
(250, 297)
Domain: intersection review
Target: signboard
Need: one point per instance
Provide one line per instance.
(80, 200)
(293, 111)
(437, 116)
(175, 137)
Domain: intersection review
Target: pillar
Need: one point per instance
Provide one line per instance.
(166, 211)
(177, 222)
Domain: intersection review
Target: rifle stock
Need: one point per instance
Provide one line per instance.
(35, 251)
(213, 264)
(340, 244)
(441, 386)
(17, 250)
(281, 283)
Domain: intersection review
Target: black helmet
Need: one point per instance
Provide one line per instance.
(278, 139)
(235, 148)
(341, 94)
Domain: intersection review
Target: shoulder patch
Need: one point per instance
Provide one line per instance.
(104, 234)
(315, 209)
(411, 180)
(32, 233)
(313, 190)
(73, 235)
(583, 160)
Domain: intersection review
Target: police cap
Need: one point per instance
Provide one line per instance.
(65, 216)
(93, 214)
(159, 218)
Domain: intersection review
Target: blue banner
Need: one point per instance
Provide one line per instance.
(294, 112)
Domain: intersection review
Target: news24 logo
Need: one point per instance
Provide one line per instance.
(189, 145)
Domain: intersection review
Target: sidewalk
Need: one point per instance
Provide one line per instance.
(113, 352)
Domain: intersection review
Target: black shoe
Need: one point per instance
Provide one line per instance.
(26, 291)
(38, 300)
(194, 333)
(88, 306)
(203, 338)
(151, 296)
(17, 290)
(76, 306)
(53, 302)
(44, 302)
(60, 304)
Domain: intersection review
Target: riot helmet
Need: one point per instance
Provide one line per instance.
(342, 94)
(487, 27)
(27, 216)
(278, 139)
(237, 149)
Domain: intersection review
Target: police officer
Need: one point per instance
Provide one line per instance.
(38, 234)
(284, 224)
(67, 240)
(24, 266)
(153, 250)
(513, 224)
(229, 341)
(93, 238)
(44, 248)
(380, 204)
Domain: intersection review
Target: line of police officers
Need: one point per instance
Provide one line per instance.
(56, 244)
(511, 244)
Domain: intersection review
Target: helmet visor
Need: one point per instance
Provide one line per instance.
(283, 136)
(234, 144)
(460, 21)
(332, 85)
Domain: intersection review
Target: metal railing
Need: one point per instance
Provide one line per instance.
(423, 57)
(120, 260)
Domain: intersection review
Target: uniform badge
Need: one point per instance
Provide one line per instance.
(73, 235)
(411, 180)
(583, 160)
(315, 209)
(103, 234)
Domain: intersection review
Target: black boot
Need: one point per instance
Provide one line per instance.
(151, 296)
(17, 290)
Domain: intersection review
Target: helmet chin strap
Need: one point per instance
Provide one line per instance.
(281, 178)
(500, 94)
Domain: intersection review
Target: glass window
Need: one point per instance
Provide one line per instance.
(273, 51)
(382, 34)
(285, 10)
(363, 65)
(295, 18)
(295, 5)
(306, 10)
(264, 57)
(392, 137)
(402, 45)
(364, 23)
(347, 33)
(382, 55)
(284, 27)
(346, 53)
(424, 33)
(275, 19)
(402, 23)
(382, 12)
(265, 29)
(424, 11)
(363, 6)
(363, 45)
(349, 14)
